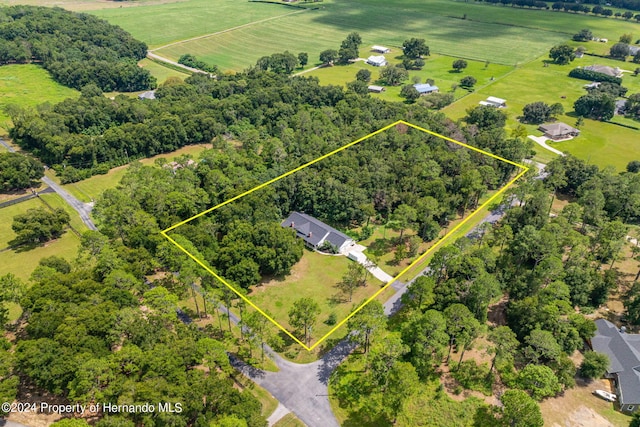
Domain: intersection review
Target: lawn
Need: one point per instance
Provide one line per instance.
(54, 201)
(90, 189)
(599, 143)
(437, 68)
(27, 86)
(314, 276)
(289, 420)
(160, 72)
(6, 218)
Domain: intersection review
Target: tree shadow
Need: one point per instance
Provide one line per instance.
(380, 246)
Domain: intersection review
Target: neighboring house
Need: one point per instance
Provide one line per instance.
(633, 50)
(377, 61)
(150, 94)
(425, 88)
(579, 54)
(376, 89)
(492, 101)
(315, 232)
(621, 104)
(605, 69)
(557, 131)
(623, 351)
(380, 49)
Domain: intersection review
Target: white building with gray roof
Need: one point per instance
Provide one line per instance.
(623, 350)
(316, 233)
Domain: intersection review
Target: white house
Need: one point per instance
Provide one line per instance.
(492, 101)
(377, 61)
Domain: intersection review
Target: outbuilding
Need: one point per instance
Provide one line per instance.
(376, 89)
(380, 49)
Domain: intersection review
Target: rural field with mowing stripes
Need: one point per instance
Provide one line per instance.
(160, 24)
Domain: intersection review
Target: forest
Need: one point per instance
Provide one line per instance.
(77, 49)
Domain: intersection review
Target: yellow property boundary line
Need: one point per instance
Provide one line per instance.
(523, 168)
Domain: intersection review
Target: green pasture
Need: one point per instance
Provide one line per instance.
(599, 143)
(315, 276)
(22, 262)
(160, 24)
(28, 85)
(160, 72)
(327, 27)
(90, 189)
(437, 67)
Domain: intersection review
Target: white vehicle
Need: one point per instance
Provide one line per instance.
(610, 397)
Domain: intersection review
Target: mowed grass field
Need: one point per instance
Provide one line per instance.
(314, 276)
(28, 85)
(499, 34)
(437, 67)
(599, 143)
(158, 24)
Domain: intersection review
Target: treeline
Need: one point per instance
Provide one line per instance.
(18, 172)
(259, 109)
(191, 61)
(576, 7)
(77, 49)
(581, 73)
(623, 4)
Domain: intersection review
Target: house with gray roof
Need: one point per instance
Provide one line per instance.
(316, 233)
(426, 88)
(605, 69)
(623, 351)
(558, 131)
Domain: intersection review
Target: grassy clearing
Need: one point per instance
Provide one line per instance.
(160, 24)
(289, 420)
(437, 68)
(314, 276)
(21, 262)
(90, 189)
(600, 143)
(160, 72)
(28, 85)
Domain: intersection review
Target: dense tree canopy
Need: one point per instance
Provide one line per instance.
(77, 49)
(18, 171)
(39, 225)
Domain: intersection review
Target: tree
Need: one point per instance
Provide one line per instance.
(594, 365)
(402, 218)
(468, 82)
(363, 75)
(562, 54)
(632, 106)
(353, 40)
(39, 225)
(366, 323)
(598, 106)
(352, 279)
(626, 38)
(485, 117)
(462, 327)
(520, 410)
(505, 344)
(536, 112)
(328, 56)
(584, 35)
(410, 93)
(459, 65)
(18, 171)
(619, 51)
(303, 58)
(393, 75)
(633, 166)
(539, 381)
(303, 315)
(415, 48)
(347, 54)
(636, 60)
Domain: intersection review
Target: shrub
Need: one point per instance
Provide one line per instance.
(581, 73)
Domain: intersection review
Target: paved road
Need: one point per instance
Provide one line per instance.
(83, 209)
(157, 57)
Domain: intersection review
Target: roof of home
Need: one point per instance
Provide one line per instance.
(633, 50)
(623, 351)
(557, 129)
(425, 88)
(379, 59)
(150, 94)
(380, 48)
(314, 231)
(604, 69)
(494, 100)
